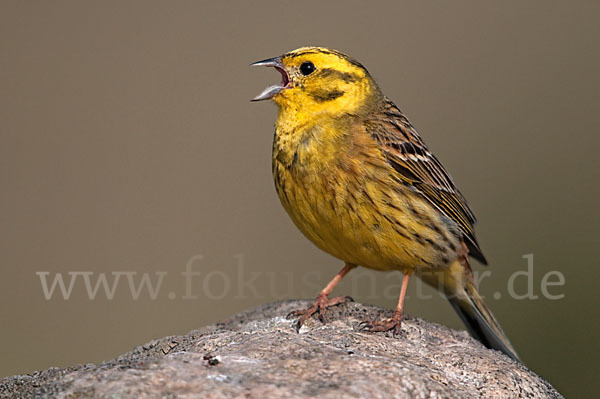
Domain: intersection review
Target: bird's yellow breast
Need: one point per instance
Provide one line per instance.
(344, 197)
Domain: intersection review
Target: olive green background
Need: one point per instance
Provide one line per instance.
(128, 144)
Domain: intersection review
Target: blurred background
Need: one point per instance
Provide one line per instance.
(128, 144)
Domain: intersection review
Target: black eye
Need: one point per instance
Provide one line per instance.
(307, 68)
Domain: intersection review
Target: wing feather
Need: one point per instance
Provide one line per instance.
(407, 153)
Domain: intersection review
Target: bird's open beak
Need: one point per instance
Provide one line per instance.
(272, 90)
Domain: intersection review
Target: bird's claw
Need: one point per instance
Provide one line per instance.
(393, 324)
(319, 306)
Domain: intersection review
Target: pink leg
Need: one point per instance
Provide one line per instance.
(394, 322)
(323, 302)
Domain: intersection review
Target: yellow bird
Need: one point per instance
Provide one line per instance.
(359, 182)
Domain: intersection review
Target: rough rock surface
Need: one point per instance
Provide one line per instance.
(257, 354)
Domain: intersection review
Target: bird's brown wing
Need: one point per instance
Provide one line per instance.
(408, 155)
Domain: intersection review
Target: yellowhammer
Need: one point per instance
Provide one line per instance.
(358, 180)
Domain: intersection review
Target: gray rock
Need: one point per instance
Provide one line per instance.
(257, 354)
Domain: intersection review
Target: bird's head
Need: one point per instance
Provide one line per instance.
(317, 79)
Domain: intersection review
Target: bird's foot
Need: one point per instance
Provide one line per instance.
(393, 324)
(321, 303)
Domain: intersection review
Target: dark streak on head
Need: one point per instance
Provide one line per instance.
(347, 77)
(322, 95)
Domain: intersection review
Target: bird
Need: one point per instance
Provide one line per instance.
(358, 181)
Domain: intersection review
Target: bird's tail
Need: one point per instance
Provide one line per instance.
(459, 287)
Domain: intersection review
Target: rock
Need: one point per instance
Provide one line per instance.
(257, 354)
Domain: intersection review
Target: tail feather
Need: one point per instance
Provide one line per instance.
(480, 321)
(458, 285)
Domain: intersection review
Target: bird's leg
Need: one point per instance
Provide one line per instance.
(323, 302)
(394, 322)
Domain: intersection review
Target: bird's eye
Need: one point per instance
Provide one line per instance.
(307, 68)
